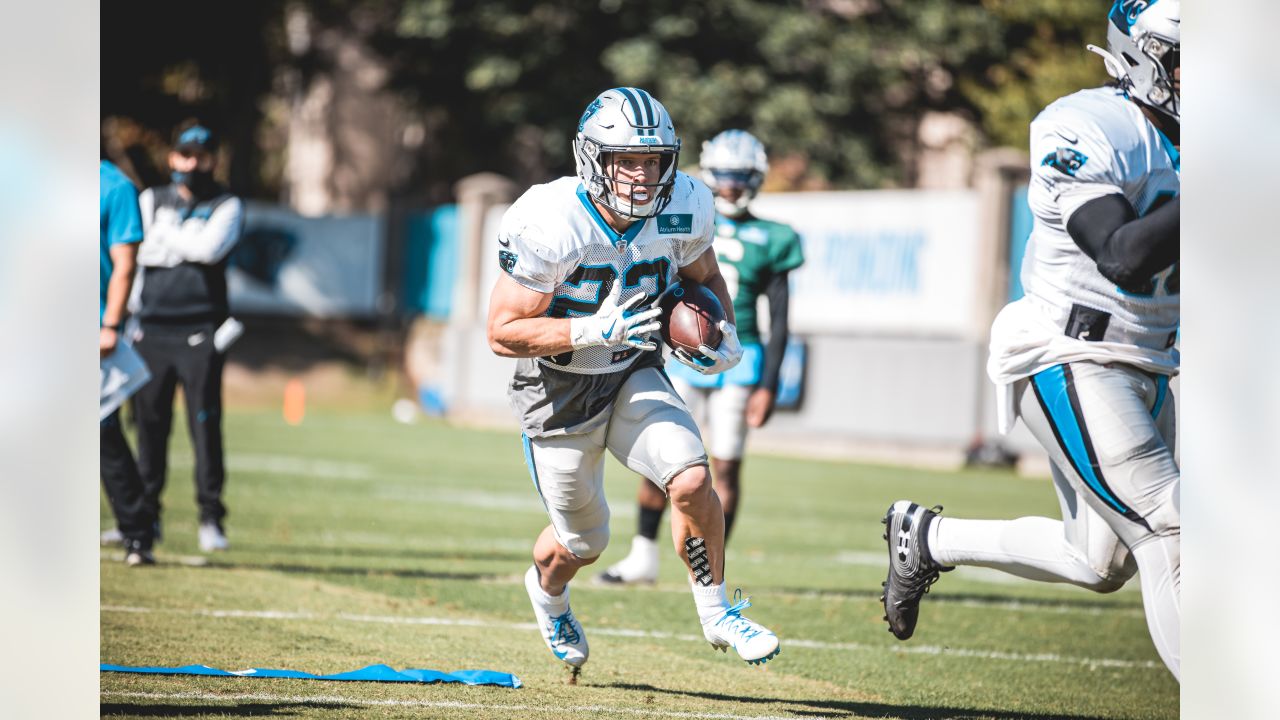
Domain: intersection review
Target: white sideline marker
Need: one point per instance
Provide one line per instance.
(1091, 663)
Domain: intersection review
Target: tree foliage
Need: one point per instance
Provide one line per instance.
(835, 88)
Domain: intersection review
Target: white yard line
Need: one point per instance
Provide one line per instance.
(1091, 663)
(439, 704)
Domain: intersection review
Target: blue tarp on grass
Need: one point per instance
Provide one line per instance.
(372, 673)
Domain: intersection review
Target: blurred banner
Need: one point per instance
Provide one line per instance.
(287, 264)
(883, 262)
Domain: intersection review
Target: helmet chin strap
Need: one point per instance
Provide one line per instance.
(1114, 68)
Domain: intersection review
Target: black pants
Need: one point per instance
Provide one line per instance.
(120, 478)
(181, 354)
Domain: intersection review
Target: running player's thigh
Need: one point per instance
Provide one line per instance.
(1090, 534)
(695, 398)
(651, 431)
(726, 428)
(1096, 423)
(568, 473)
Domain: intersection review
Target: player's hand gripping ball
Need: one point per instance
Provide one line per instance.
(691, 321)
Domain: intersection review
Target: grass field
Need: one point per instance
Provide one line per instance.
(356, 540)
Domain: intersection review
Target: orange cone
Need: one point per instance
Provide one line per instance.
(295, 401)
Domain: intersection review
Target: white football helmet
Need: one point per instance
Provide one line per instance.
(1144, 38)
(734, 158)
(625, 120)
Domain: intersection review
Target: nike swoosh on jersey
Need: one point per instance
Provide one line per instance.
(1069, 138)
(504, 243)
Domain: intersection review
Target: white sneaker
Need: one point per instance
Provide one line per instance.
(639, 566)
(560, 629)
(754, 642)
(212, 538)
(112, 537)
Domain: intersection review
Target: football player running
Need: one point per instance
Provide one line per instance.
(755, 259)
(584, 260)
(1085, 357)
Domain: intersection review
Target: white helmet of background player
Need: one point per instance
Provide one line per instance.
(1144, 38)
(734, 158)
(625, 120)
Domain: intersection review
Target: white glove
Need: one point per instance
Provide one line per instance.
(711, 361)
(614, 325)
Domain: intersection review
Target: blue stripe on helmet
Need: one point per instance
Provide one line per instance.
(651, 115)
(635, 105)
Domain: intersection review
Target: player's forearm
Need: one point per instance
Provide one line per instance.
(209, 242)
(779, 295)
(530, 337)
(1127, 249)
(716, 284)
(118, 289)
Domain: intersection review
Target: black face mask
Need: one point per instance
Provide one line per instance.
(199, 182)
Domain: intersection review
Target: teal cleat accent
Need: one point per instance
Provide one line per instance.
(753, 642)
(559, 628)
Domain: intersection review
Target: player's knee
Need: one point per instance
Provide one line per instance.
(1112, 574)
(587, 547)
(690, 486)
(727, 473)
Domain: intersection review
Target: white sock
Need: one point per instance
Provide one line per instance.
(643, 551)
(553, 604)
(1160, 569)
(710, 600)
(1035, 548)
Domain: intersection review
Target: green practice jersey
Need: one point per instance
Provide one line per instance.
(750, 252)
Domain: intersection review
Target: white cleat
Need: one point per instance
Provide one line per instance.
(639, 566)
(112, 537)
(560, 629)
(212, 539)
(753, 642)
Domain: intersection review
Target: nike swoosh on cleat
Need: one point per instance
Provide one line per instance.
(560, 654)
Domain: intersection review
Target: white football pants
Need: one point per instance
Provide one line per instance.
(721, 412)
(1109, 430)
(650, 431)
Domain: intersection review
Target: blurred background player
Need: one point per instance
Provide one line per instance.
(582, 259)
(121, 231)
(1085, 357)
(191, 226)
(756, 257)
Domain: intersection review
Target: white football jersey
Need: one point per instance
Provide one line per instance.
(1084, 146)
(555, 241)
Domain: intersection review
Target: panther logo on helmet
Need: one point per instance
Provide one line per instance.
(1144, 49)
(625, 120)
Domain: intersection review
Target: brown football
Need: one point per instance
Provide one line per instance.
(691, 316)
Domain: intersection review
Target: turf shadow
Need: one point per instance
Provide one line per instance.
(861, 709)
(403, 573)
(253, 709)
(404, 553)
(946, 597)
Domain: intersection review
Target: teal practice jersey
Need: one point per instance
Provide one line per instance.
(751, 251)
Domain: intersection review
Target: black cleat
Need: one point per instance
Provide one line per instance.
(912, 569)
(138, 553)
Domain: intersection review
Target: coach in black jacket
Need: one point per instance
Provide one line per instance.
(190, 227)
